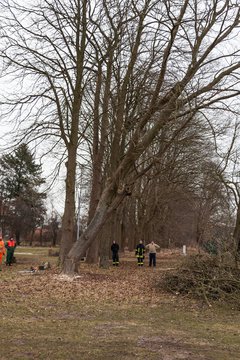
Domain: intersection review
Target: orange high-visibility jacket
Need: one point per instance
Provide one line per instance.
(2, 247)
(11, 243)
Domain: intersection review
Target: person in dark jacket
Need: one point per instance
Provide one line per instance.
(10, 246)
(140, 251)
(115, 256)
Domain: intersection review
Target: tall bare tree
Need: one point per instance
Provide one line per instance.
(44, 46)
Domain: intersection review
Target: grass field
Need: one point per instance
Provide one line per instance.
(108, 314)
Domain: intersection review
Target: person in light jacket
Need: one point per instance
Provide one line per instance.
(152, 248)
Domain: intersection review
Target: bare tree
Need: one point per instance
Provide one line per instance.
(149, 64)
(181, 198)
(229, 176)
(45, 47)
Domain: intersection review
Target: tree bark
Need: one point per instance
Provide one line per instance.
(236, 233)
(99, 144)
(68, 222)
(109, 201)
(105, 242)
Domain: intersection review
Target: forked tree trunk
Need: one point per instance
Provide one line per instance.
(72, 260)
(109, 201)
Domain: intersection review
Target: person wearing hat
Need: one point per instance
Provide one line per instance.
(2, 251)
(140, 250)
(11, 245)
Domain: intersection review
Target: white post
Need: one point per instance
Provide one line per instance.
(78, 213)
(184, 250)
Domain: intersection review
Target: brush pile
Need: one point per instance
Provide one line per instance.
(205, 277)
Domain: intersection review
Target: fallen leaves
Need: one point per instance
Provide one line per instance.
(127, 283)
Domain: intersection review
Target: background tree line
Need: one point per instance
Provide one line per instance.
(23, 213)
(22, 204)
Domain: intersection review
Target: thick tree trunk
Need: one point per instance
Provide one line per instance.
(68, 221)
(80, 247)
(99, 144)
(93, 252)
(105, 242)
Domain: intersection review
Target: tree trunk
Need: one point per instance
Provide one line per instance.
(41, 236)
(18, 237)
(99, 144)
(32, 236)
(54, 238)
(105, 242)
(236, 233)
(68, 221)
(109, 201)
(93, 252)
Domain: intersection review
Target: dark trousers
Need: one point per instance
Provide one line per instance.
(115, 259)
(140, 261)
(152, 259)
(9, 258)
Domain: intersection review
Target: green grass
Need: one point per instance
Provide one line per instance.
(45, 318)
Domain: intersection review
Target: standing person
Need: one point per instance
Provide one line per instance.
(2, 251)
(115, 256)
(152, 247)
(11, 245)
(140, 251)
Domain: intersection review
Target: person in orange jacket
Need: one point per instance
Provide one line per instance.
(11, 244)
(2, 251)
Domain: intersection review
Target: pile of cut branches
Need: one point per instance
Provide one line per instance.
(205, 277)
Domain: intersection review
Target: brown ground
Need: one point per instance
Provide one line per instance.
(106, 314)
